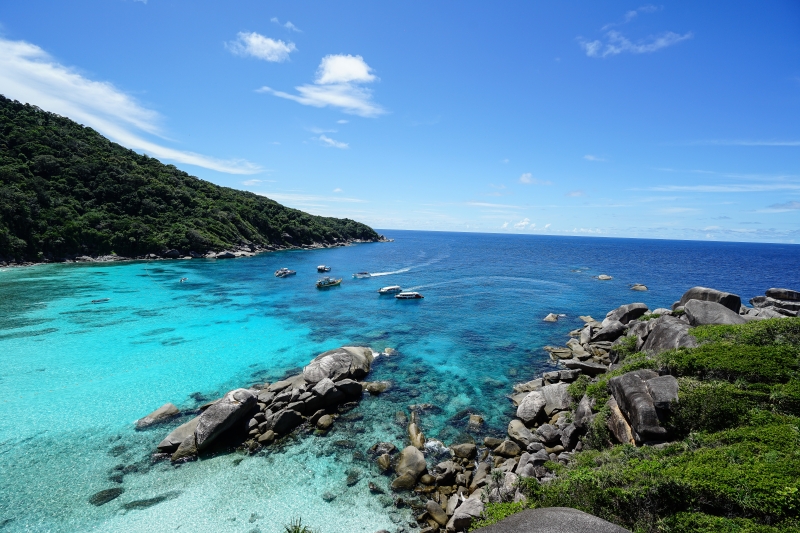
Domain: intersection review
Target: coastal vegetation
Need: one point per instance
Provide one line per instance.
(66, 190)
(734, 460)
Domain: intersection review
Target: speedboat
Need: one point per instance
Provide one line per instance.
(391, 289)
(362, 275)
(323, 268)
(284, 272)
(408, 296)
(326, 282)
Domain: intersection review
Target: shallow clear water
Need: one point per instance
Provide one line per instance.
(74, 376)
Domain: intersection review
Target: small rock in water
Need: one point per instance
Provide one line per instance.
(604, 277)
(375, 488)
(328, 496)
(552, 317)
(475, 422)
(638, 287)
(105, 496)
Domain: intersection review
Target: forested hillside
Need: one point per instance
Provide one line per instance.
(66, 190)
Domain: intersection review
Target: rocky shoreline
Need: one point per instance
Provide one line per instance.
(244, 250)
(445, 487)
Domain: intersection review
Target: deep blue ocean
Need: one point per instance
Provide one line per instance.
(75, 376)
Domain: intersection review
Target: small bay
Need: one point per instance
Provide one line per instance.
(76, 375)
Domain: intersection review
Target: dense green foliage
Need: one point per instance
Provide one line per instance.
(67, 190)
(735, 466)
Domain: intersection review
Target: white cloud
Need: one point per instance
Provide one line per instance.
(674, 210)
(29, 74)
(320, 130)
(505, 161)
(258, 46)
(292, 197)
(575, 194)
(528, 179)
(337, 85)
(590, 157)
(484, 204)
(337, 189)
(342, 121)
(546, 226)
(250, 183)
(781, 208)
(616, 43)
(711, 228)
(504, 226)
(522, 224)
(334, 143)
(743, 187)
(288, 25)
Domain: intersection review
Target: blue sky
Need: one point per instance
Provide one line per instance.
(670, 120)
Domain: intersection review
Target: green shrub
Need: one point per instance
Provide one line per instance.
(626, 347)
(711, 406)
(578, 387)
(494, 512)
(694, 522)
(771, 332)
(724, 360)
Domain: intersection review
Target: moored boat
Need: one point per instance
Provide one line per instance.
(391, 289)
(362, 275)
(326, 282)
(408, 296)
(284, 272)
(323, 268)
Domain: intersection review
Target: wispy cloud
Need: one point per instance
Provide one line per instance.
(575, 194)
(342, 121)
(318, 131)
(256, 45)
(294, 197)
(528, 179)
(632, 14)
(485, 204)
(288, 25)
(504, 226)
(251, 183)
(327, 141)
(337, 189)
(734, 187)
(616, 43)
(590, 157)
(29, 74)
(337, 85)
(782, 208)
(505, 161)
(744, 142)
(676, 210)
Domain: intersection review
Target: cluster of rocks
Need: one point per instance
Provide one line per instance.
(546, 429)
(330, 383)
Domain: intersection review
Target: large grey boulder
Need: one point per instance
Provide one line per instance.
(215, 420)
(587, 367)
(626, 313)
(556, 398)
(783, 294)
(786, 307)
(668, 333)
(162, 414)
(178, 435)
(731, 301)
(284, 421)
(611, 331)
(519, 433)
(466, 512)
(532, 407)
(410, 461)
(663, 390)
(583, 413)
(617, 423)
(347, 362)
(630, 392)
(552, 520)
(701, 313)
(328, 391)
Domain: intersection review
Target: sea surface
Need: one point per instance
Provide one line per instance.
(75, 376)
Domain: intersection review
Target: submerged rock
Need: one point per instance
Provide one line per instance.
(104, 496)
(178, 435)
(162, 414)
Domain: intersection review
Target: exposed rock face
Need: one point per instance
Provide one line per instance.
(519, 433)
(552, 520)
(785, 307)
(531, 407)
(178, 435)
(587, 367)
(611, 331)
(465, 513)
(668, 333)
(216, 419)
(626, 313)
(631, 393)
(162, 414)
(663, 390)
(410, 462)
(701, 313)
(341, 363)
(464, 451)
(556, 397)
(783, 294)
(731, 301)
(617, 424)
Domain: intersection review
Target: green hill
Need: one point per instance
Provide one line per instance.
(66, 190)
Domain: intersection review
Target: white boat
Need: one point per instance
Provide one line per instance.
(362, 275)
(408, 296)
(323, 268)
(284, 272)
(391, 289)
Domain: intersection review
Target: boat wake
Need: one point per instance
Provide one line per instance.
(376, 274)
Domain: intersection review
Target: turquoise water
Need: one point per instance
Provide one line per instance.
(74, 376)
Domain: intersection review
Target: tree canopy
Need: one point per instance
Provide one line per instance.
(66, 190)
